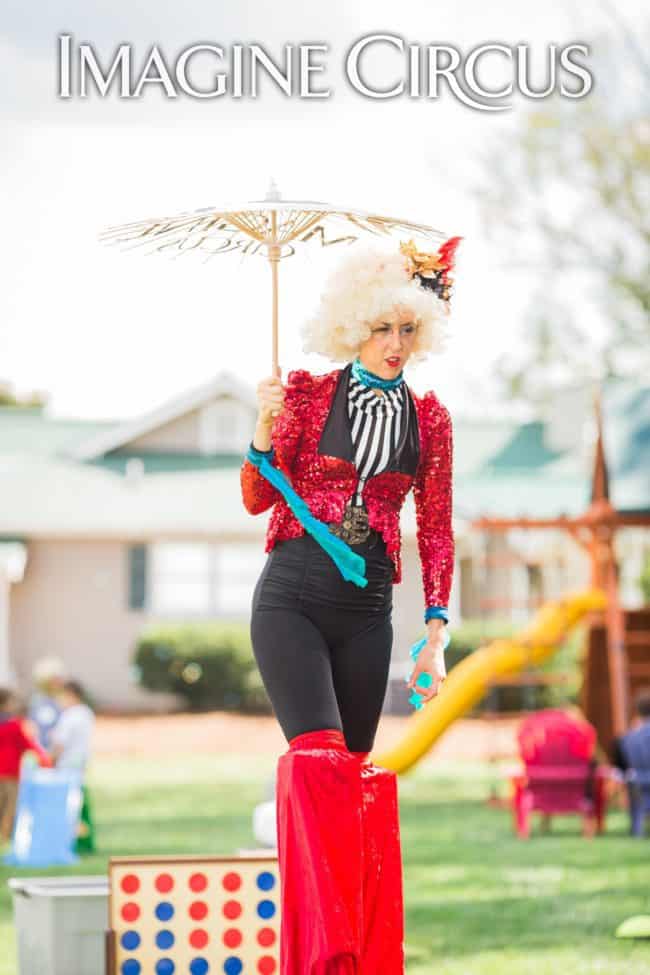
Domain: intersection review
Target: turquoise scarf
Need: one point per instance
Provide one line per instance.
(351, 565)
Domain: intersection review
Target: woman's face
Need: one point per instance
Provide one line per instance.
(391, 341)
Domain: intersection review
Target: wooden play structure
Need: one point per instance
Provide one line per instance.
(617, 652)
(616, 661)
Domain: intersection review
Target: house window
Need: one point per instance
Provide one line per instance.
(237, 570)
(225, 427)
(535, 585)
(203, 579)
(180, 579)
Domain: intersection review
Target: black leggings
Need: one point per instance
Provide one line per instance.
(323, 644)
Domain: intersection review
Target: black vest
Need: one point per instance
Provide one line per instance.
(336, 438)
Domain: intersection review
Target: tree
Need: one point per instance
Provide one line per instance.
(9, 398)
(566, 200)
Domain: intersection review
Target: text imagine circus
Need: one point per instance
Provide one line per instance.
(209, 71)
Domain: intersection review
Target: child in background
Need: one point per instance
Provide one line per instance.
(48, 675)
(16, 739)
(71, 740)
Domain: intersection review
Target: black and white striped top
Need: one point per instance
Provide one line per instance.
(376, 424)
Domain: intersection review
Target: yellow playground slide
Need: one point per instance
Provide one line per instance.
(468, 681)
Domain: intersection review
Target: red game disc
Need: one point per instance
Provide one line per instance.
(232, 909)
(130, 883)
(232, 938)
(198, 910)
(266, 937)
(199, 938)
(130, 911)
(232, 881)
(266, 965)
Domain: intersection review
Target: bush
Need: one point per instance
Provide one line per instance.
(468, 636)
(211, 665)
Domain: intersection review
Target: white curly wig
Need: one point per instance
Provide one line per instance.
(367, 284)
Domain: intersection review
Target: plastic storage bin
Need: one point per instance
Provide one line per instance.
(60, 924)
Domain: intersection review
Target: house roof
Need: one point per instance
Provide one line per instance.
(32, 431)
(626, 411)
(47, 496)
(55, 497)
(530, 475)
(501, 468)
(526, 449)
(120, 435)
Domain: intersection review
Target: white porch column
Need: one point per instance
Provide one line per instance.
(5, 667)
(13, 557)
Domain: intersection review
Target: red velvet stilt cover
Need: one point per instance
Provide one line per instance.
(383, 905)
(340, 862)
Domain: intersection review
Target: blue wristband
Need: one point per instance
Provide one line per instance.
(436, 613)
(256, 455)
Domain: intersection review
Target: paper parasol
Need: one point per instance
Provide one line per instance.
(273, 226)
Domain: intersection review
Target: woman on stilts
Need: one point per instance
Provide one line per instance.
(352, 443)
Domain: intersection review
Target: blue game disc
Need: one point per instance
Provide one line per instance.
(165, 966)
(131, 967)
(266, 909)
(232, 966)
(266, 880)
(164, 911)
(130, 940)
(199, 966)
(164, 939)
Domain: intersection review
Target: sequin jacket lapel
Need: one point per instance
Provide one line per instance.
(313, 447)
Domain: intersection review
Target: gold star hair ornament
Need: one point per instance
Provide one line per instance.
(432, 269)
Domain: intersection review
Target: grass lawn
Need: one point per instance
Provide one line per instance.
(478, 902)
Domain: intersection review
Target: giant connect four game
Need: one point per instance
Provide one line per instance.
(193, 916)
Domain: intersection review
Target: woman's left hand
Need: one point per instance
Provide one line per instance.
(430, 660)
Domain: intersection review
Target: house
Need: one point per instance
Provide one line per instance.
(108, 526)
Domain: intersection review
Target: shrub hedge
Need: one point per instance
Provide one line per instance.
(211, 665)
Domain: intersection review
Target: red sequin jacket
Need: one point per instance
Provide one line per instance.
(326, 483)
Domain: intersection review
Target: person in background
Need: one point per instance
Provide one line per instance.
(632, 750)
(48, 676)
(16, 739)
(71, 741)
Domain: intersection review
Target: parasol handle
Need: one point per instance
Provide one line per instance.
(274, 258)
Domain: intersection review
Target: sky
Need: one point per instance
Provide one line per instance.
(107, 333)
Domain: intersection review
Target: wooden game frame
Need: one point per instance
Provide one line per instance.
(110, 943)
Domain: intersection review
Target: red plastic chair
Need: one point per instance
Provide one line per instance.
(560, 775)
